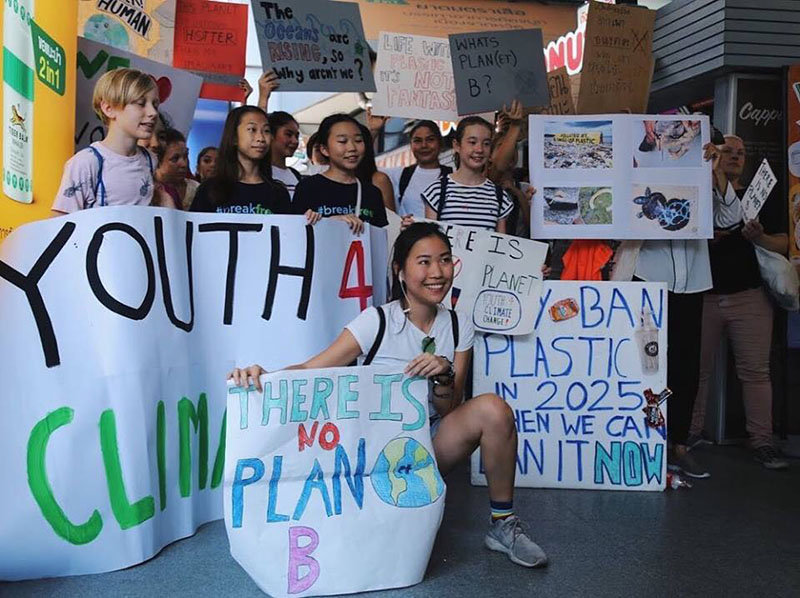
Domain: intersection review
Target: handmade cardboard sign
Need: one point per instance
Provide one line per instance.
(314, 45)
(119, 325)
(211, 41)
(561, 101)
(177, 89)
(414, 77)
(498, 278)
(620, 176)
(618, 59)
(142, 27)
(588, 388)
(758, 191)
(492, 68)
(327, 459)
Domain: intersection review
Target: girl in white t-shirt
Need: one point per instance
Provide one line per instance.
(431, 341)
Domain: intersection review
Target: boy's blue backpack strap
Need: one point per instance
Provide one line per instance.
(99, 183)
(149, 159)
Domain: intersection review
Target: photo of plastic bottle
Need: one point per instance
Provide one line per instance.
(647, 341)
(18, 101)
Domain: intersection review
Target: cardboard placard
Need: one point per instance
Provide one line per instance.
(211, 39)
(414, 78)
(620, 176)
(492, 68)
(178, 90)
(561, 101)
(118, 448)
(578, 387)
(618, 59)
(313, 463)
(141, 27)
(758, 191)
(314, 45)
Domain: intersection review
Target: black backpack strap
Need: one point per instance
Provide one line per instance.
(444, 170)
(296, 174)
(454, 320)
(405, 179)
(373, 350)
(499, 192)
(442, 197)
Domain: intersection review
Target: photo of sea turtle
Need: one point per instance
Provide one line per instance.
(668, 206)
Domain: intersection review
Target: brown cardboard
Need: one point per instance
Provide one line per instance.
(560, 94)
(617, 60)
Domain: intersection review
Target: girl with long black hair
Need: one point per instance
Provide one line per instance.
(425, 339)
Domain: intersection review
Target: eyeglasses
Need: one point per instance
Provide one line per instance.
(429, 345)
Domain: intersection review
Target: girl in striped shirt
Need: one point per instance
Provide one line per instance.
(467, 197)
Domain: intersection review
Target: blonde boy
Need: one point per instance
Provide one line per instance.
(114, 171)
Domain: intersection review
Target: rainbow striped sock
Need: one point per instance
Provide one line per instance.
(501, 510)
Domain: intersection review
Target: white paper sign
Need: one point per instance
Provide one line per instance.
(758, 191)
(331, 486)
(620, 176)
(119, 325)
(578, 387)
(178, 90)
(414, 77)
(498, 278)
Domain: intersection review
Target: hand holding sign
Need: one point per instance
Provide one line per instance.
(757, 193)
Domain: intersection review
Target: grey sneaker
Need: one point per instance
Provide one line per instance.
(509, 536)
(687, 465)
(769, 458)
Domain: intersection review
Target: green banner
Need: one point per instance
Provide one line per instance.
(49, 59)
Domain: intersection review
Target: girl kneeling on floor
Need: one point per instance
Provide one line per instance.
(414, 331)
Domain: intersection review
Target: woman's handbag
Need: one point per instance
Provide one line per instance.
(780, 277)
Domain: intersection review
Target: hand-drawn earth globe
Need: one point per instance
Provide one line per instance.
(405, 475)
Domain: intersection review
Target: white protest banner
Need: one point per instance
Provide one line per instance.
(584, 387)
(497, 279)
(331, 486)
(314, 45)
(119, 326)
(620, 176)
(414, 77)
(177, 89)
(492, 68)
(758, 191)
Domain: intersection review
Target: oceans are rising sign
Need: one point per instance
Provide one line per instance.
(585, 387)
(326, 460)
(118, 327)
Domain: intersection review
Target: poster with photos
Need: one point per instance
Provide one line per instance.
(620, 176)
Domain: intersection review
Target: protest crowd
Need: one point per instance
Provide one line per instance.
(476, 173)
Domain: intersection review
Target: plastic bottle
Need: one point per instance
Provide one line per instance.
(675, 481)
(18, 78)
(647, 340)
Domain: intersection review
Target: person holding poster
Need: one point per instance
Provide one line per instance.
(467, 197)
(114, 171)
(243, 183)
(338, 192)
(738, 301)
(409, 182)
(416, 332)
